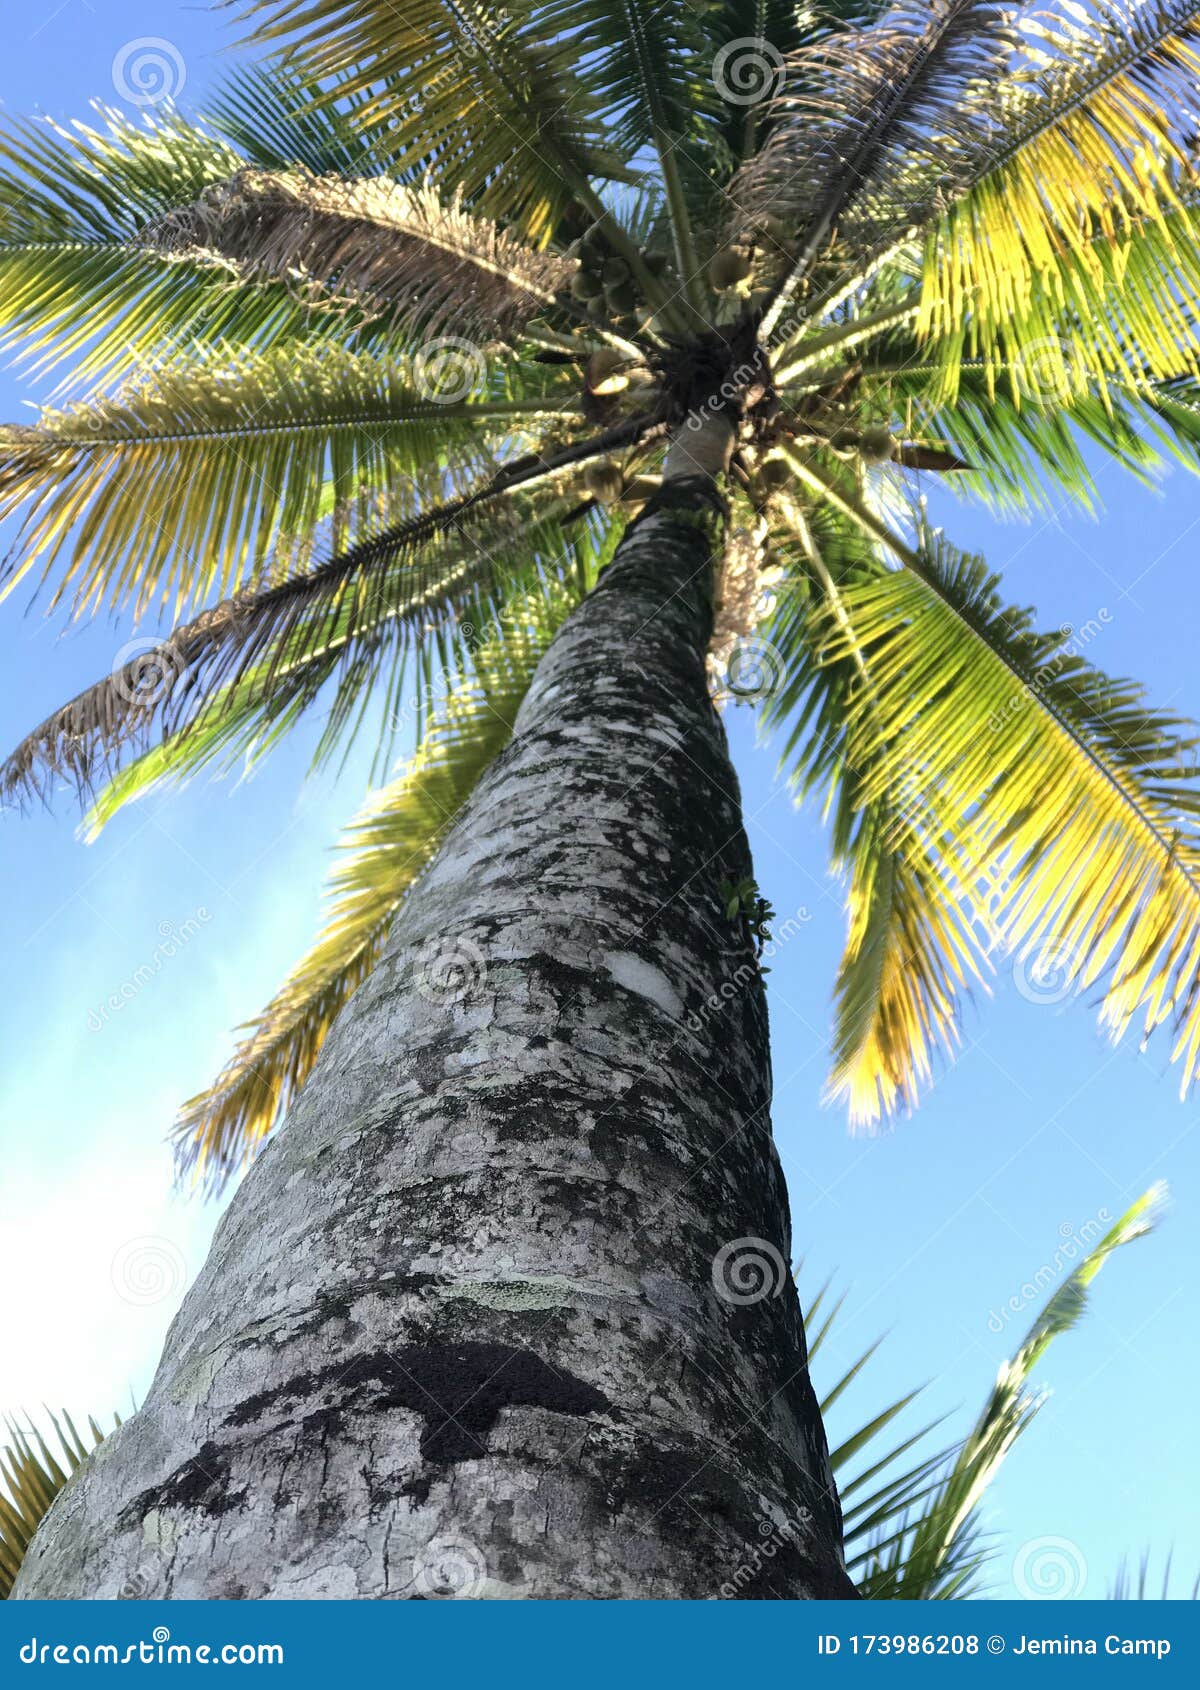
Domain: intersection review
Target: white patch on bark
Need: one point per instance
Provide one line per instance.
(637, 975)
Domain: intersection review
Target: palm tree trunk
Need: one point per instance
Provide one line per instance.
(503, 1310)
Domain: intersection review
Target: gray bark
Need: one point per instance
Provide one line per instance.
(473, 1324)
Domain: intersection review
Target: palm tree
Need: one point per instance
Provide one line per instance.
(545, 356)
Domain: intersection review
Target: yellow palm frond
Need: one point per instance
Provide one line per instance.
(1069, 238)
(911, 948)
(1051, 780)
(31, 1476)
(911, 953)
(1024, 793)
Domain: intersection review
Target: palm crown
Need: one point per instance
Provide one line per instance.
(372, 364)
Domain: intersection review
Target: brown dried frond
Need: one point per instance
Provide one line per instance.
(375, 242)
(870, 121)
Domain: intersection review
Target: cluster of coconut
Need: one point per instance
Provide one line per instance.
(731, 270)
(604, 284)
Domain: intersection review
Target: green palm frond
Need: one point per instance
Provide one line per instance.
(249, 667)
(250, 678)
(648, 70)
(278, 120)
(490, 98)
(387, 845)
(859, 107)
(1024, 454)
(186, 481)
(261, 658)
(31, 1476)
(372, 243)
(934, 1550)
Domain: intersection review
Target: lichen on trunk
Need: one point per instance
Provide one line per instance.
(475, 1324)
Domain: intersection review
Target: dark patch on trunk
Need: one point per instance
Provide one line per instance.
(201, 1484)
(458, 1389)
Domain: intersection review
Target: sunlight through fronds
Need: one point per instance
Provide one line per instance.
(1036, 780)
(229, 454)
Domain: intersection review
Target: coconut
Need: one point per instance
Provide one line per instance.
(622, 296)
(607, 371)
(585, 285)
(775, 473)
(776, 232)
(877, 446)
(603, 480)
(728, 268)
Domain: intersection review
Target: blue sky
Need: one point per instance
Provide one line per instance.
(1039, 1132)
